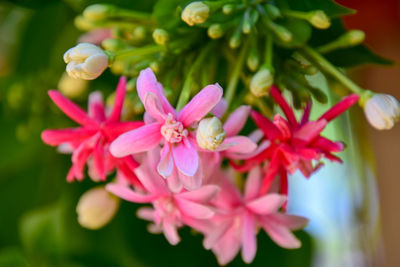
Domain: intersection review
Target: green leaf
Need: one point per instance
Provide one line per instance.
(330, 7)
(301, 32)
(12, 257)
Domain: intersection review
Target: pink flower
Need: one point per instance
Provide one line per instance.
(238, 219)
(90, 142)
(295, 145)
(170, 210)
(164, 125)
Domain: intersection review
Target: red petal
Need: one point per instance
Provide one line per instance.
(119, 101)
(340, 107)
(267, 126)
(287, 110)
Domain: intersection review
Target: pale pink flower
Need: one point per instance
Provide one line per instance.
(90, 142)
(164, 125)
(170, 210)
(239, 218)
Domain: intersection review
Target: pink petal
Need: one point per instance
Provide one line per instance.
(327, 145)
(147, 82)
(146, 213)
(96, 106)
(236, 121)
(115, 129)
(170, 231)
(128, 194)
(75, 135)
(228, 246)
(266, 204)
(194, 210)
(310, 130)
(249, 242)
(153, 107)
(138, 140)
(269, 129)
(287, 110)
(242, 144)
(119, 100)
(98, 161)
(281, 235)
(292, 222)
(220, 108)
(71, 109)
(306, 113)
(200, 105)
(201, 195)
(186, 158)
(253, 183)
(191, 182)
(174, 183)
(150, 179)
(340, 107)
(166, 164)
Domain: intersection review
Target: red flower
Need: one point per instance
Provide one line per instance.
(294, 145)
(90, 142)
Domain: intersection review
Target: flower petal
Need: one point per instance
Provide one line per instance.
(268, 128)
(174, 183)
(201, 195)
(75, 135)
(186, 158)
(200, 105)
(170, 231)
(249, 242)
(236, 121)
(128, 194)
(147, 82)
(340, 107)
(194, 210)
(310, 130)
(153, 107)
(166, 164)
(220, 108)
(243, 144)
(292, 222)
(191, 182)
(115, 129)
(281, 235)
(266, 204)
(96, 106)
(71, 109)
(137, 140)
(253, 182)
(280, 100)
(119, 100)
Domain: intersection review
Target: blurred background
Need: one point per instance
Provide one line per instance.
(353, 207)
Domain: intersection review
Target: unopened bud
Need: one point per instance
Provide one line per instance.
(283, 33)
(319, 19)
(139, 33)
(261, 82)
(98, 11)
(228, 9)
(71, 87)
(85, 61)
(382, 111)
(272, 11)
(215, 31)
(195, 13)
(96, 208)
(253, 60)
(210, 133)
(160, 36)
(353, 37)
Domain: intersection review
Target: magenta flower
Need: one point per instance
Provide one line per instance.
(238, 219)
(170, 210)
(90, 142)
(295, 145)
(179, 157)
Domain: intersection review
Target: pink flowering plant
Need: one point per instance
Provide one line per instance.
(210, 118)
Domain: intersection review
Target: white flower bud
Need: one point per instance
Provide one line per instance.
(195, 13)
(382, 111)
(71, 87)
(210, 133)
(85, 61)
(96, 208)
(261, 82)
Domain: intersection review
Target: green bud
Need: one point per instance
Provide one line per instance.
(272, 11)
(319, 19)
(246, 27)
(113, 44)
(261, 82)
(131, 85)
(228, 9)
(253, 59)
(98, 11)
(236, 39)
(139, 33)
(195, 13)
(83, 24)
(160, 36)
(353, 37)
(283, 33)
(318, 94)
(215, 31)
(155, 66)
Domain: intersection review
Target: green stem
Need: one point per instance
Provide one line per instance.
(185, 93)
(233, 80)
(141, 51)
(268, 51)
(328, 68)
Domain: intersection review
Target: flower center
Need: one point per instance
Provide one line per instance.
(173, 131)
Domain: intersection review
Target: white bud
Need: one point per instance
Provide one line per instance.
(96, 208)
(319, 19)
(85, 61)
(210, 133)
(382, 111)
(261, 82)
(71, 87)
(195, 13)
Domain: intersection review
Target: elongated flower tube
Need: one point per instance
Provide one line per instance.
(167, 127)
(96, 208)
(382, 111)
(85, 61)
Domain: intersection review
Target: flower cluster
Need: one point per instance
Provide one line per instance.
(174, 161)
